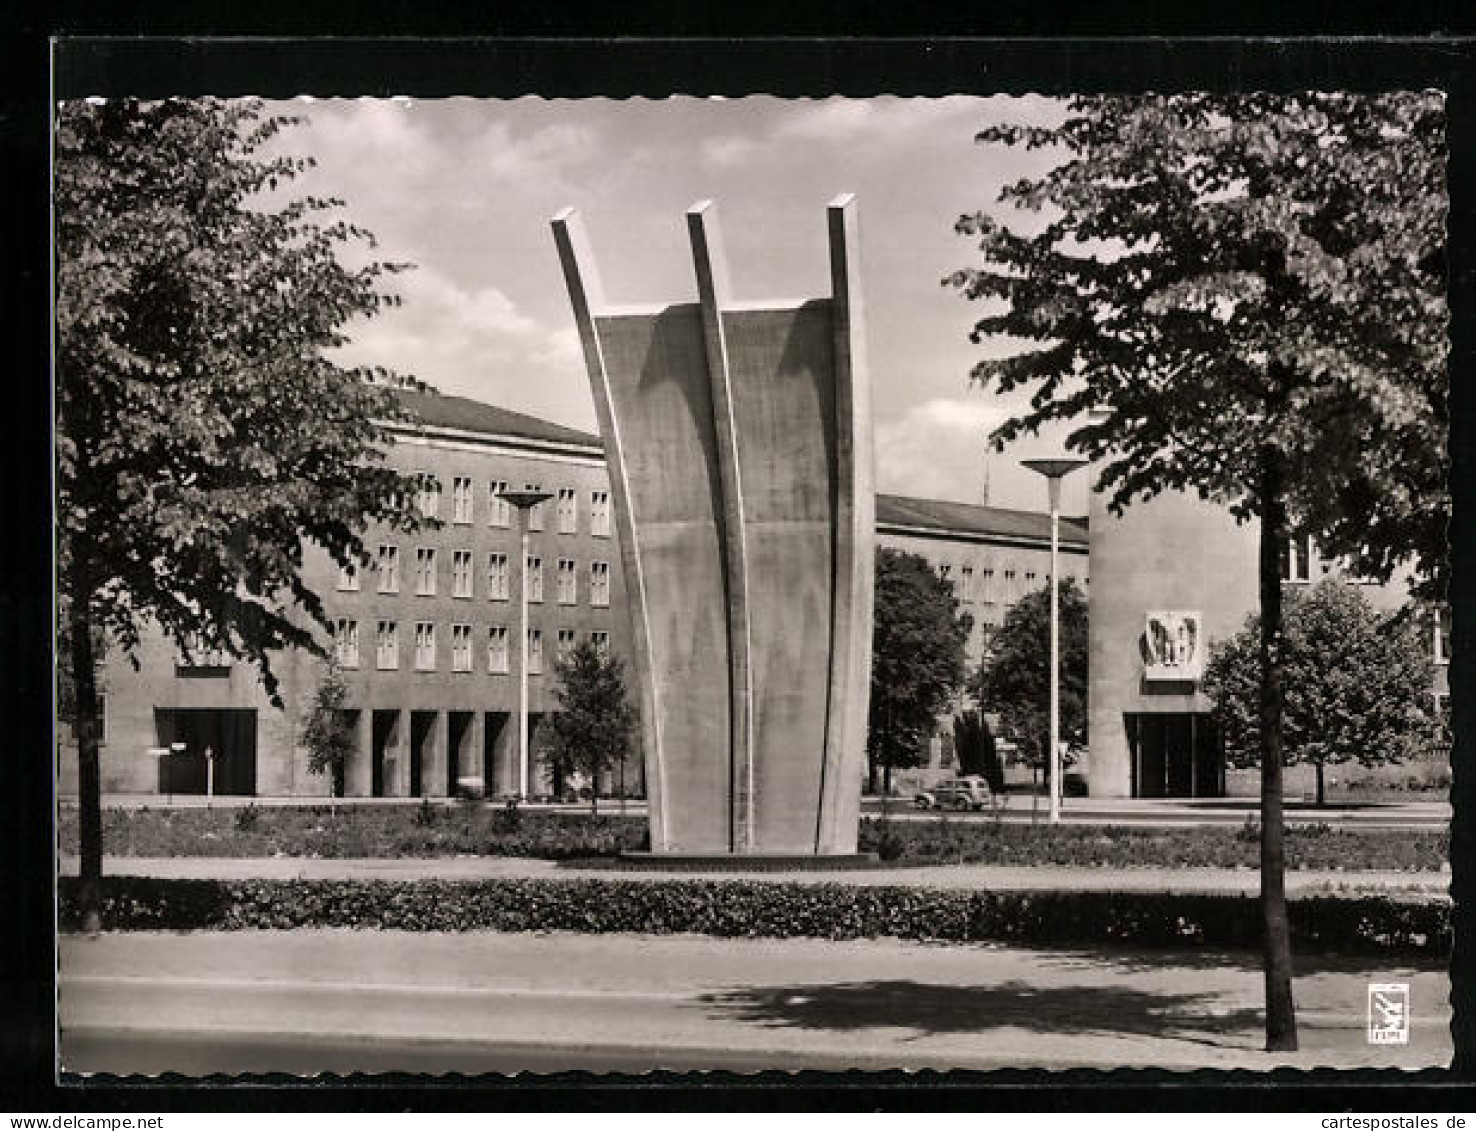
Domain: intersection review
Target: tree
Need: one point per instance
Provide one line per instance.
(917, 660)
(977, 753)
(1372, 706)
(327, 735)
(204, 434)
(1246, 291)
(1015, 682)
(592, 729)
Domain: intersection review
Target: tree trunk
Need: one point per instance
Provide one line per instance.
(1321, 791)
(1281, 1019)
(594, 793)
(89, 777)
(887, 780)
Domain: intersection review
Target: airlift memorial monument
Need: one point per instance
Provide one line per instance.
(738, 438)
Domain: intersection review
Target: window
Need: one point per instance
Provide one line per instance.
(986, 586)
(197, 655)
(387, 646)
(566, 643)
(425, 571)
(535, 651)
(1030, 581)
(346, 642)
(601, 642)
(461, 500)
(966, 584)
(1009, 586)
(568, 511)
(348, 578)
(429, 498)
(1441, 636)
(535, 513)
(567, 582)
(535, 578)
(389, 569)
(461, 573)
(425, 646)
(500, 509)
(599, 584)
(945, 571)
(599, 513)
(497, 649)
(497, 573)
(1296, 558)
(461, 648)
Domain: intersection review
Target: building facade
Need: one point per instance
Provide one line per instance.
(1174, 575)
(993, 557)
(425, 634)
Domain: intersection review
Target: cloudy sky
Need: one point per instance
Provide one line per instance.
(464, 189)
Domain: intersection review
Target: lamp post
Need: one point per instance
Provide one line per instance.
(525, 501)
(1055, 470)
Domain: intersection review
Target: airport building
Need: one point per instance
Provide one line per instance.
(425, 635)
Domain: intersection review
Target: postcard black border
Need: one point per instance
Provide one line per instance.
(829, 63)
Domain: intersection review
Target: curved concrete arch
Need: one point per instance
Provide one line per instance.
(739, 445)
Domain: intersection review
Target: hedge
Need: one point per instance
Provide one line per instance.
(753, 909)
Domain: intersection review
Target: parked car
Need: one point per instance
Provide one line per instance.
(970, 792)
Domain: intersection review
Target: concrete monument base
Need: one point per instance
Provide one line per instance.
(748, 862)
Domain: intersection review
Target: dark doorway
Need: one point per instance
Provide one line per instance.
(217, 752)
(383, 729)
(422, 728)
(1175, 754)
(349, 720)
(494, 769)
(458, 748)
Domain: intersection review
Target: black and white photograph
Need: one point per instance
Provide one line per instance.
(743, 583)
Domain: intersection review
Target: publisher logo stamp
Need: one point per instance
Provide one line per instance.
(1388, 1013)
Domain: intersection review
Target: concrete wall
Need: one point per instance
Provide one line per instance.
(1175, 552)
(672, 493)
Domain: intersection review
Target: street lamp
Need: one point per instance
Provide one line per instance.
(1055, 470)
(525, 501)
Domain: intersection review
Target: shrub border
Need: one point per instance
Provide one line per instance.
(755, 909)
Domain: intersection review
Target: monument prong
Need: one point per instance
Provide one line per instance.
(713, 294)
(581, 276)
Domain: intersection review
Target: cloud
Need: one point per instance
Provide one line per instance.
(729, 149)
(849, 120)
(477, 343)
(936, 448)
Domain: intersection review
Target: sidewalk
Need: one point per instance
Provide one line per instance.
(1083, 809)
(973, 876)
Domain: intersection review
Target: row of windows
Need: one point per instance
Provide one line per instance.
(981, 586)
(500, 511)
(497, 585)
(346, 648)
(1300, 562)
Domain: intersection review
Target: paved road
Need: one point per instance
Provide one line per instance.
(333, 1000)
